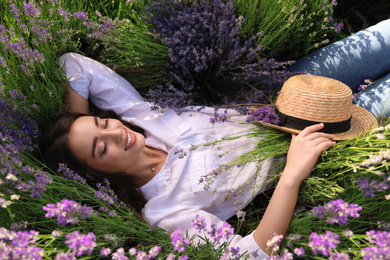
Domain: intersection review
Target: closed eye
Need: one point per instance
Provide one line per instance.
(104, 149)
(106, 124)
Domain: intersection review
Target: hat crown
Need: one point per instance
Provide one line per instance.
(315, 98)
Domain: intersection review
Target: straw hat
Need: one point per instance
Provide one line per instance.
(307, 99)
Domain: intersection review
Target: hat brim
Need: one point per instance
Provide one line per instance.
(361, 122)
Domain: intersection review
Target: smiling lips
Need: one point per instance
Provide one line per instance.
(130, 140)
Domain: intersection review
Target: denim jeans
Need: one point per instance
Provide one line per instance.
(363, 55)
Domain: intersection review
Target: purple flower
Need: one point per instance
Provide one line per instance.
(178, 240)
(339, 256)
(81, 15)
(214, 173)
(336, 211)
(141, 255)
(224, 232)
(19, 245)
(65, 256)
(208, 59)
(119, 255)
(199, 223)
(323, 243)
(264, 114)
(367, 187)
(338, 27)
(105, 193)
(153, 252)
(235, 252)
(380, 249)
(67, 211)
(300, 252)
(80, 243)
(29, 9)
(274, 242)
(70, 174)
(218, 119)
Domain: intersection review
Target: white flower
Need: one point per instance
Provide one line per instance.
(241, 215)
(133, 251)
(381, 128)
(348, 233)
(4, 203)
(387, 196)
(380, 136)
(15, 197)
(11, 177)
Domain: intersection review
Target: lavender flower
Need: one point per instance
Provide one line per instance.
(336, 211)
(81, 15)
(105, 193)
(234, 252)
(19, 245)
(199, 223)
(207, 53)
(224, 232)
(178, 240)
(67, 211)
(367, 187)
(381, 245)
(338, 27)
(70, 174)
(56, 233)
(153, 252)
(218, 119)
(323, 243)
(264, 114)
(274, 242)
(119, 255)
(16, 126)
(299, 252)
(339, 256)
(214, 173)
(80, 243)
(65, 256)
(171, 257)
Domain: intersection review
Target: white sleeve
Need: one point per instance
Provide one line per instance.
(246, 244)
(104, 87)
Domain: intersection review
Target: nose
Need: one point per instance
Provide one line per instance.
(115, 135)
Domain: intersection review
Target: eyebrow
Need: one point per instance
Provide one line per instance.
(94, 139)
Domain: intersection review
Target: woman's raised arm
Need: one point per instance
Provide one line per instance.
(74, 102)
(92, 80)
(302, 156)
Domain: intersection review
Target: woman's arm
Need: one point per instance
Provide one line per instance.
(303, 154)
(74, 102)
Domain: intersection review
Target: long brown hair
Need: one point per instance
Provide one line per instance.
(56, 150)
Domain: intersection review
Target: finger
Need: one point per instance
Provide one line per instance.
(311, 129)
(316, 135)
(321, 140)
(325, 145)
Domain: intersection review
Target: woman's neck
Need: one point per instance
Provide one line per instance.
(150, 163)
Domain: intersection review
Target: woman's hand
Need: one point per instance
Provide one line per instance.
(303, 154)
(305, 148)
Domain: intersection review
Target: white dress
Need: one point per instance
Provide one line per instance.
(175, 196)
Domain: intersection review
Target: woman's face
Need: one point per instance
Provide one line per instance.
(105, 145)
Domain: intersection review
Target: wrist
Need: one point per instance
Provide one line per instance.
(288, 182)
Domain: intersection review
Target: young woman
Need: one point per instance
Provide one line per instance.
(150, 156)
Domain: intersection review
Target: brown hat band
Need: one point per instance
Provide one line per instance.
(300, 124)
